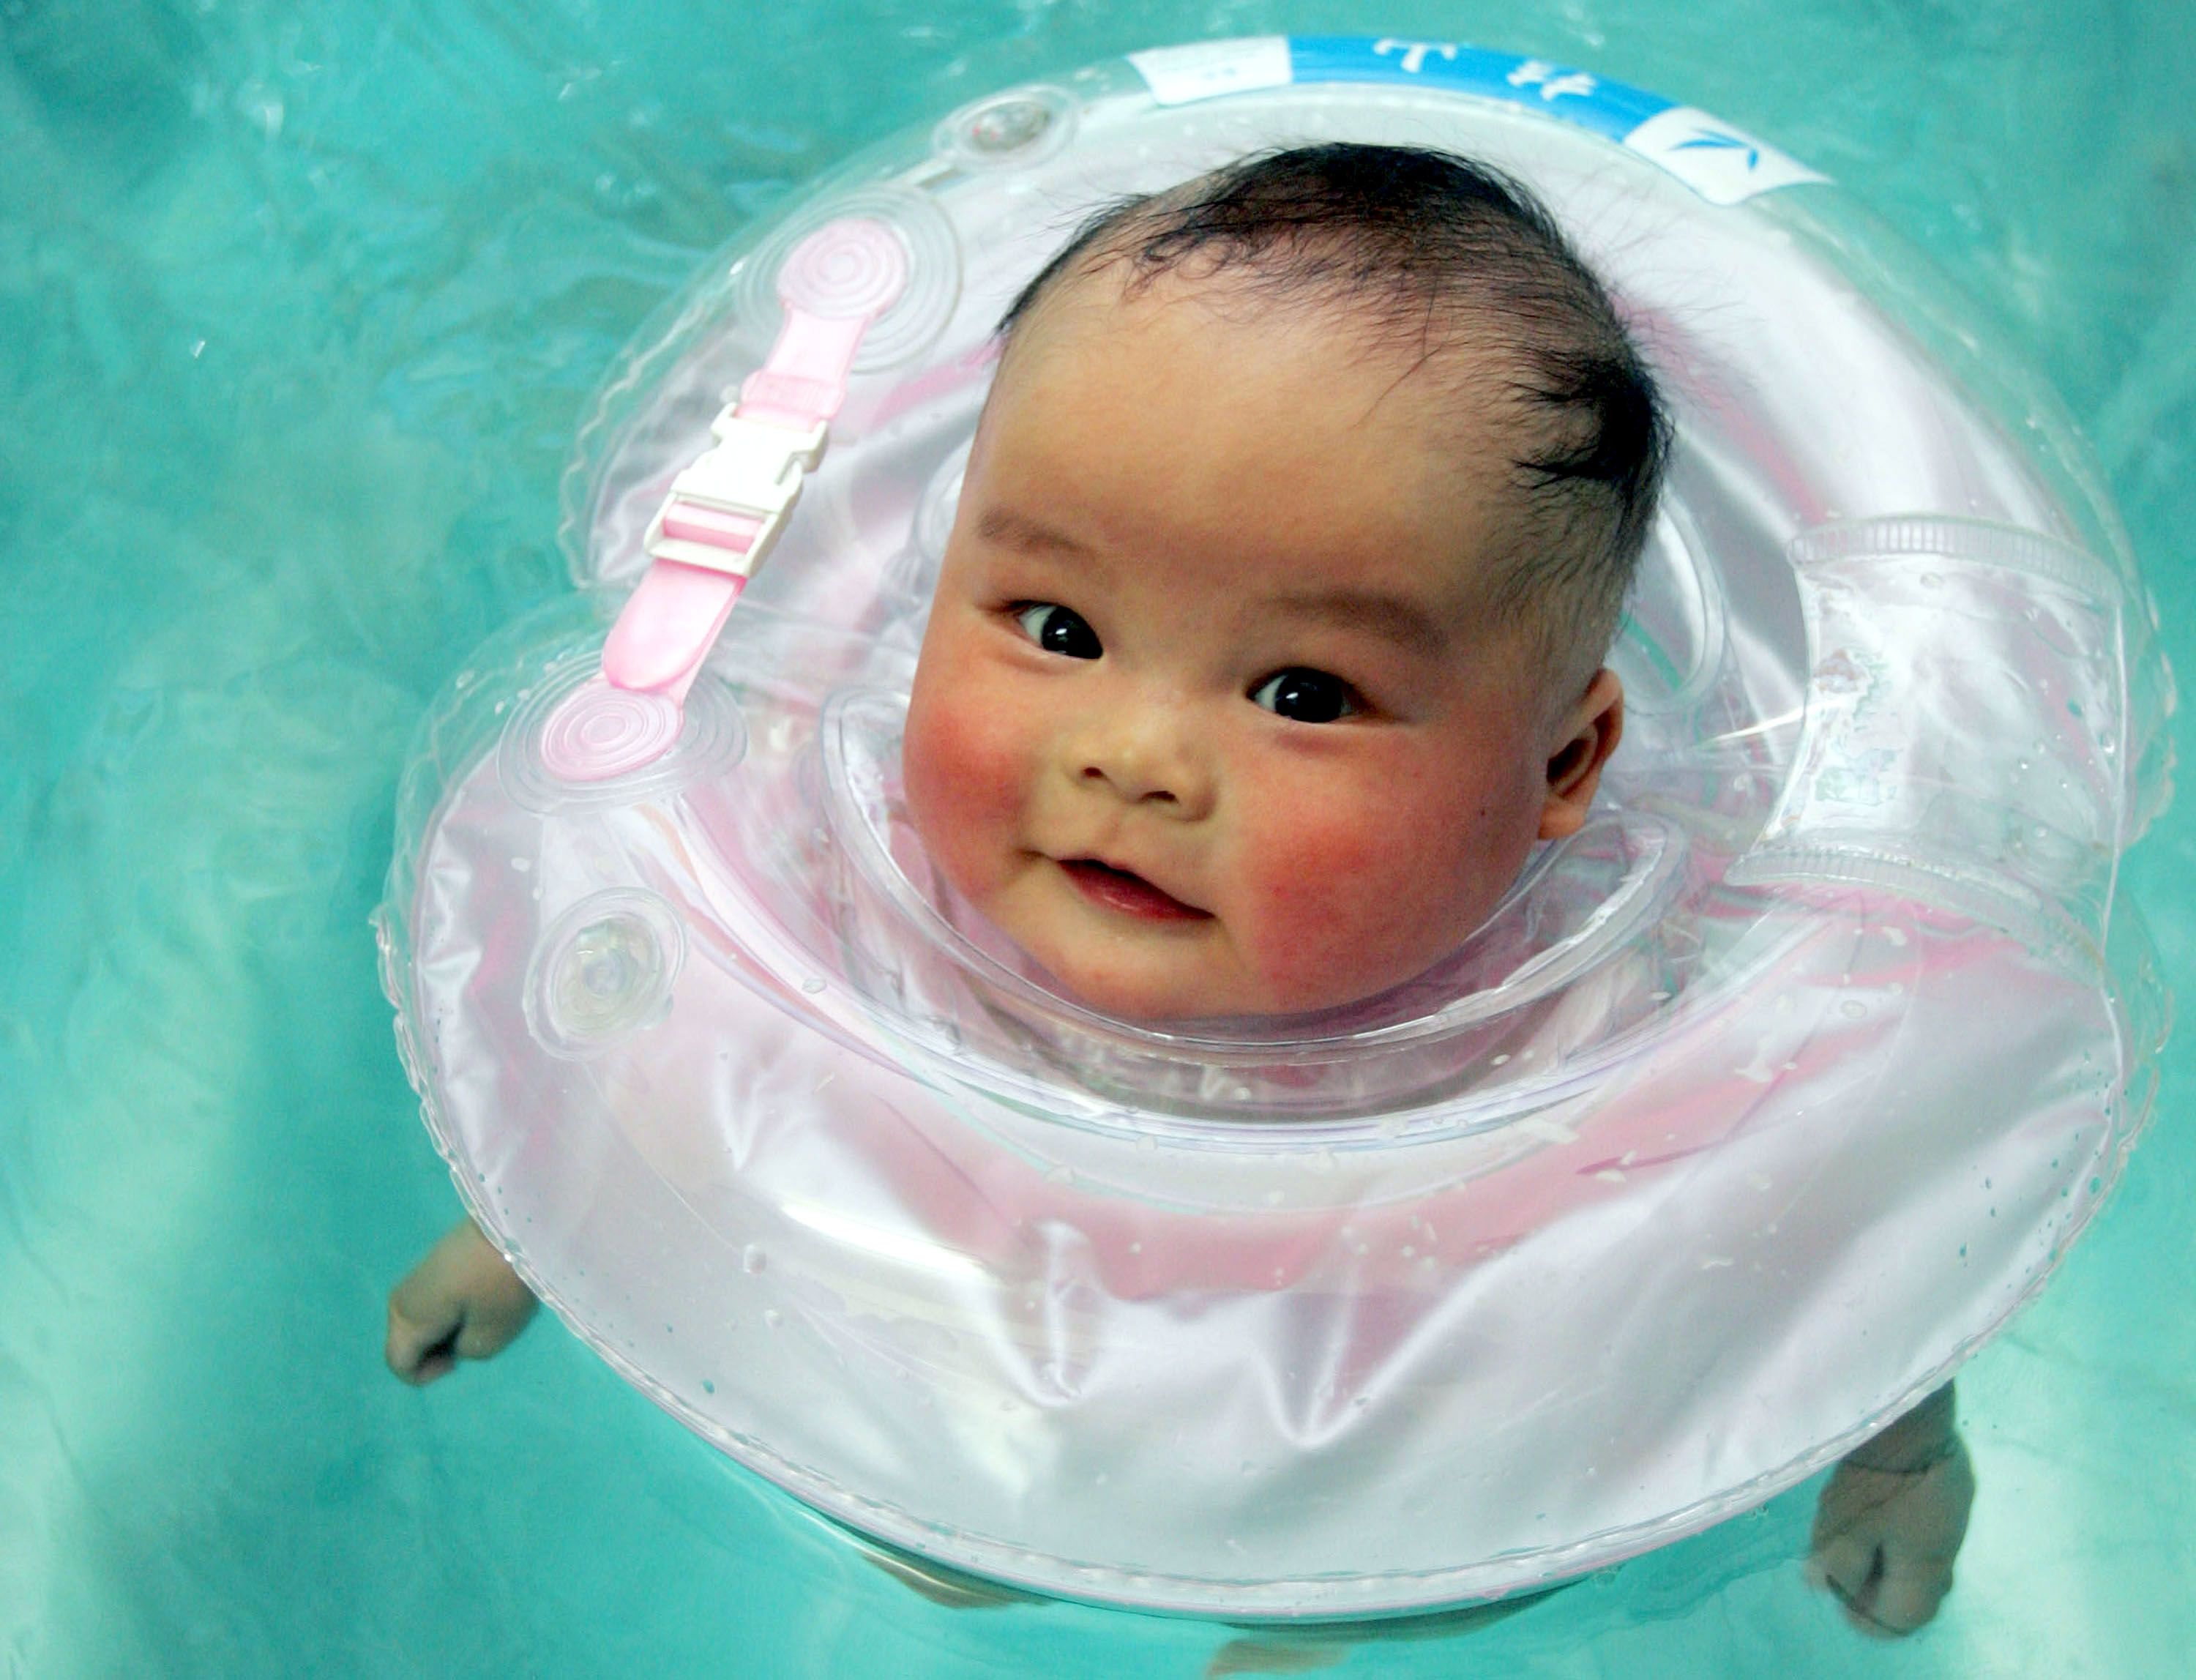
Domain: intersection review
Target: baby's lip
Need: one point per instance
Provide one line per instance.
(1127, 892)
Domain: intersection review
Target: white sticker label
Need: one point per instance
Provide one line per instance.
(1724, 165)
(1208, 69)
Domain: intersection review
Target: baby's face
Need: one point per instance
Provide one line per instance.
(1211, 718)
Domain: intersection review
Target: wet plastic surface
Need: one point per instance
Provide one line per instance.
(1753, 1112)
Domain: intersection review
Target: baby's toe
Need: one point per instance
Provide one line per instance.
(1881, 1594)
(1908, 1596)
(416, 1353)
(1847, 1566)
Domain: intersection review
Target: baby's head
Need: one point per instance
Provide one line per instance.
(1269, 637)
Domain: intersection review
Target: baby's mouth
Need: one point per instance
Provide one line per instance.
(1130, 894)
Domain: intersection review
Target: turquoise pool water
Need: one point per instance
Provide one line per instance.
(297, 305)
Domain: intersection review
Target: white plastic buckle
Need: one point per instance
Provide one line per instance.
(755, 472)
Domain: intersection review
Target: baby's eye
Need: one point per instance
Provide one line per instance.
(1305, 697)
(1059, 630)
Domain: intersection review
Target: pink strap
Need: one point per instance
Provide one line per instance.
(804, 379)
(667, 627)
(725, 511)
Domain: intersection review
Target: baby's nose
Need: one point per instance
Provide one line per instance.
(1146, 757)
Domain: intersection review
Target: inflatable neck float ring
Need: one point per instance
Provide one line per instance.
(1751, 1112)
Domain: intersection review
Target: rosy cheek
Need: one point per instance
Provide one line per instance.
(1319, 880)
(1355, 894)
(966, 773)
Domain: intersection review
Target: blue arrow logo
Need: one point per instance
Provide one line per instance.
(1711, 140)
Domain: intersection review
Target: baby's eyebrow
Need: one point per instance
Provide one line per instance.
(1003, 525)
(1393, 618)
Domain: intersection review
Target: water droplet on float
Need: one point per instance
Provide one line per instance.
(811, 986)
(1853, 1009)
(1008, 125)
(772, 1318)
(753, 1259)
(707, 1386)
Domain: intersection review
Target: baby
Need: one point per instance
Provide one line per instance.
(1269, 641)
(1269, 637)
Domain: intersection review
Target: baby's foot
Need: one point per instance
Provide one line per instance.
(1268, 1654)
(462, 1301)
(1890, 1522)
(939, 1583)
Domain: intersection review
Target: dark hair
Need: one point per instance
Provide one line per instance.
(1430, 242)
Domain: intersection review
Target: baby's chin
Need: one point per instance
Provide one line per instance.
(1143, 989)
(1173, 971)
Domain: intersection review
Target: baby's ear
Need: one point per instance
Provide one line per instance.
(1590, 732)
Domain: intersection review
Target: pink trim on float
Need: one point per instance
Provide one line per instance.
(725, 511)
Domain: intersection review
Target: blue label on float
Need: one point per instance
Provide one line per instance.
(1577, 96)
(1724, 165)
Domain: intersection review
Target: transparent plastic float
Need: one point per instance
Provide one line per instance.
(1750, 1114)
